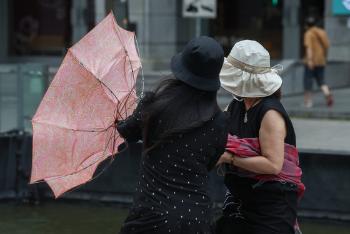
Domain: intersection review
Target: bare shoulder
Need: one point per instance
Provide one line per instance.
(273, 121)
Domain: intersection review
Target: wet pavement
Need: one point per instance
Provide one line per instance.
(340, 110)
(322, 135)
(58, 217)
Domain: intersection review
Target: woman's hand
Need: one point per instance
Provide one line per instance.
(310, 64)
(225, 158)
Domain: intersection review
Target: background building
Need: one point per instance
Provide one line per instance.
(42, 30)
(35, 35)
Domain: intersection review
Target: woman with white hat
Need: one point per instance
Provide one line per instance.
(252, 205)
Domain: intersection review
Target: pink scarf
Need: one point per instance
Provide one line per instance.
(250, 147)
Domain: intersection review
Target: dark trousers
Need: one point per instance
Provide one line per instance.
(317, 74)
(267, 208)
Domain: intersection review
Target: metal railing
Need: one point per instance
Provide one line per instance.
(22, 87)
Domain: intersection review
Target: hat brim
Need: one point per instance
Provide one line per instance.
(198, 82)
(245, 84)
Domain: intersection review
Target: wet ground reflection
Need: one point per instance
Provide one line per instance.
(90, 218)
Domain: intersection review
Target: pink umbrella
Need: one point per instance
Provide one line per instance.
(74, 126)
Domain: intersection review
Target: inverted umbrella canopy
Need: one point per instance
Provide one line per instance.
(74, 126)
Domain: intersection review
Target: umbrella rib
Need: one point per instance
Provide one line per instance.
(110, 163)
(91, 73)
(116, 30)
(87, 166)
(72, 129)
(102, 83)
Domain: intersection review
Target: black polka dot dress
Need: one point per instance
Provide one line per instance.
(171, 194)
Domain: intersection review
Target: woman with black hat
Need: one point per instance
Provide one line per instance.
(184, 134)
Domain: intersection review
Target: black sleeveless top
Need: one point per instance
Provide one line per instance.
(236, 111)
(268, 207)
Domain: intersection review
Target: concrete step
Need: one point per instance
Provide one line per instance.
(340, 110)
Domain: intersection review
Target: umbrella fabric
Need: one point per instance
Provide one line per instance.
(250, 147)
(74, 126)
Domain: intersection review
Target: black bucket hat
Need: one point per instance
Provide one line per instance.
(199, 64)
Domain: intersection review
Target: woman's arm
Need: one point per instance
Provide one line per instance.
(131, 128)
(271, 137)
(309, 58)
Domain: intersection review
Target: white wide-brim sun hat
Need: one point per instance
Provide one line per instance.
(246, 71)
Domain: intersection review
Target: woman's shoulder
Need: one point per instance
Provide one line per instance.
(272, 103)
(233, 106)
(268, 104)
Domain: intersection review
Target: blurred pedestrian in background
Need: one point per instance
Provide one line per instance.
(184, 134)
(316, 46)
(252, 205)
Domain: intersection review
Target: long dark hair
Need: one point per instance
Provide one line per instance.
(175, 108)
